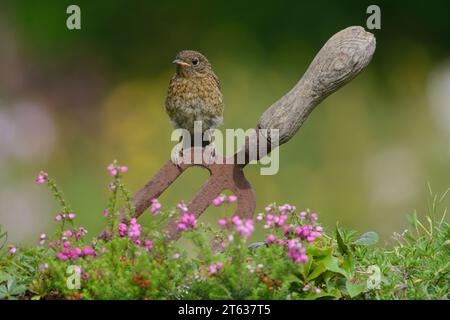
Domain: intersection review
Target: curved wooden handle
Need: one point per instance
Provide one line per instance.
(341, 59)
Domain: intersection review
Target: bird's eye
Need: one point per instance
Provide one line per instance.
(195, 61)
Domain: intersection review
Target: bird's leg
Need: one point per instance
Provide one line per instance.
(177, 152)
(209, 154)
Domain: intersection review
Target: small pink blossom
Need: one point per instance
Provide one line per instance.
(43, 266)
(71, 216)
(214, 268)
(148, 244)
(176, 256)
(182, 207)
(58, 217)
(222, 222)
(122, 229)
(68, 233)
(244, 227)
(88, 251)
(42, 177)
(232, 198)
(106, 213)
(155, 206)
(270, 238)
(12, 250)
(61, 256)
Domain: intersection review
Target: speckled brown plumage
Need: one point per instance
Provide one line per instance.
(194, 93)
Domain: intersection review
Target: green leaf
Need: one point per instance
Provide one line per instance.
(367, 239)
(343, 248)
(317, 271)
(412, 219)
(332, 264)
(354, 289)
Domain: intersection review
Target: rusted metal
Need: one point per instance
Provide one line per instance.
(222, 177)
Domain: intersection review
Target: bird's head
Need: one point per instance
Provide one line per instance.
(191, 62)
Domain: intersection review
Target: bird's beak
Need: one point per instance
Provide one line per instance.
(181, 63)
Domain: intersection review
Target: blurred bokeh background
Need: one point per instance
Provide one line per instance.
(72, 101)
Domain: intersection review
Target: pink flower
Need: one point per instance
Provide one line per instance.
(222, 222)
(71, 216)
(88, 251)
(155, 206)
(42, 177)
(182, 207)
(12, 250)
(42, 238)
(176, 256)
(43, 266)
(219, 200)
(61, 256)
(137, 242)
(59, 217)
(68, 233)
(296, 251)
(214, 268)
(106, 213)
(187, 221)
(270, 238)
(232, 198)
(134, 230)
(245, 228)
(260, 217)
(123, 168)
(122, 229)
(148, 244)
(313, 216)
(67, 244)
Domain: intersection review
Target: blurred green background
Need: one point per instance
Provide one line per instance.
(72, 101)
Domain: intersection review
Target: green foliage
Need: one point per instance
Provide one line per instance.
(286, 265)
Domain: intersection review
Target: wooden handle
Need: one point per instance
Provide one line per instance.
(341, 59)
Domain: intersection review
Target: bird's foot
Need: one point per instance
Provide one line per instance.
(209, 154)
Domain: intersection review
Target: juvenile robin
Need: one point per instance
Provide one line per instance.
(194, 94)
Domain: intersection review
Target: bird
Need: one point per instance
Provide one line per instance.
(194, 94)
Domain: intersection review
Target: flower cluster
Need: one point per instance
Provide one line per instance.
(296, 251)
(70, 252)
(224, 199)
(214, 268)
(308, 233)
(186, 222)
(133, 231)
(244, 227)
(114, 169)
(292, 228)
(65, 216)
(42, 239)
